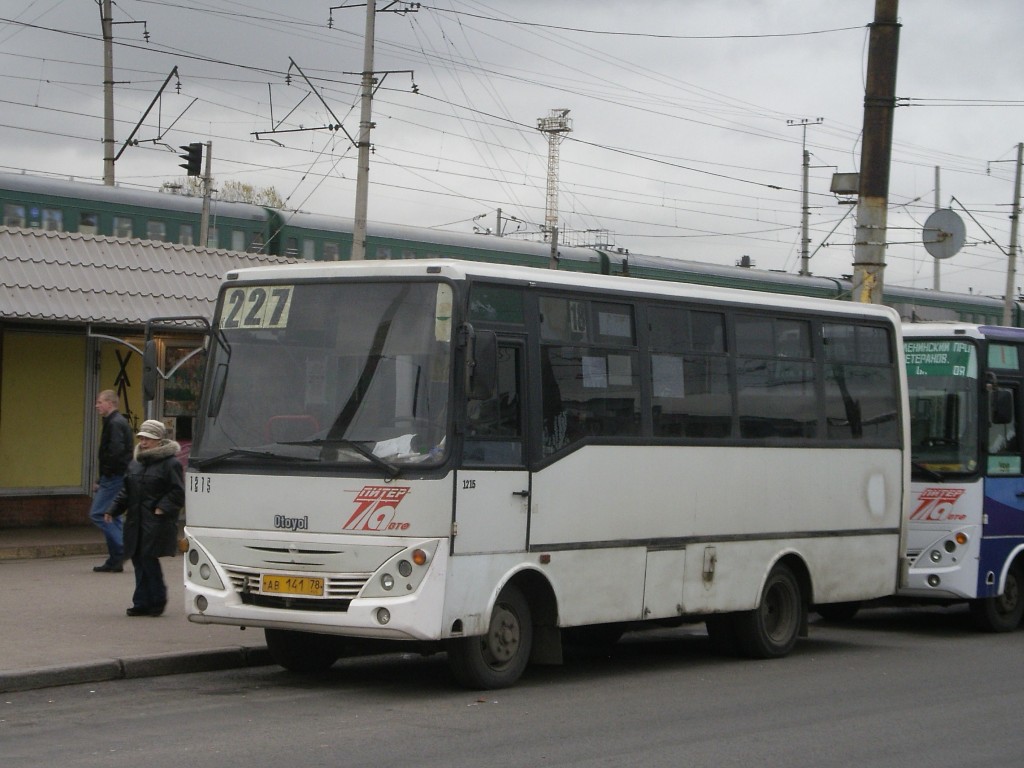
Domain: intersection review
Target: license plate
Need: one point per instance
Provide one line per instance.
(279, 584)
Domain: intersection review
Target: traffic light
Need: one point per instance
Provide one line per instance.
(193, 158)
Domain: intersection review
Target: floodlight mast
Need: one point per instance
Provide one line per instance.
(555, 125)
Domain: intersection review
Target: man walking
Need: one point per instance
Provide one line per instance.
(116, 445)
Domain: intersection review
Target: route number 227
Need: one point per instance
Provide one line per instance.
(256, 306)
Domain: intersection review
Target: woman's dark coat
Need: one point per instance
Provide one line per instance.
(154, 480)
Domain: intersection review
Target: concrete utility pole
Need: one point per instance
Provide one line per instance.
(805, 208)
(365, 124)
(936, 280)
(1011, 267)
(107, 22)
(204, 221)
(555, 125)
(876, 153)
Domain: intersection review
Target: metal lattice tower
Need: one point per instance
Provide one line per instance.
(555, 125)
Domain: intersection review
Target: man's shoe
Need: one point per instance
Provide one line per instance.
(137, 611)
(157, 610)
(108, 568)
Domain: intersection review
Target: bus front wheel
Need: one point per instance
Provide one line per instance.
(304, 653)
(1003, 612)
(771, 630)
(498, 658)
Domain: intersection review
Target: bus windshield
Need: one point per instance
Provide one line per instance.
(942, 378)
(335, 373)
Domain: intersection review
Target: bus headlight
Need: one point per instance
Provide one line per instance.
(402, 573)
(935, 555)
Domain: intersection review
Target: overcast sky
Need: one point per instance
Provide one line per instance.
(686, 115)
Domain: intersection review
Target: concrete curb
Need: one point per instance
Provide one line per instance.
(34, 551)
(133, 668)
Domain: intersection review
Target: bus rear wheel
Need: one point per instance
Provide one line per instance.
(770, 631)
(304, 653)
(498, 658)
(1002, 613)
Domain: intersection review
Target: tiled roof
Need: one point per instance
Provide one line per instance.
(70, 277)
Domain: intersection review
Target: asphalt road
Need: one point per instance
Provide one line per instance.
(897, 687)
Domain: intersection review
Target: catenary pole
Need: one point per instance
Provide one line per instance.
(876, 154)
(1011, 266)
(365, 124)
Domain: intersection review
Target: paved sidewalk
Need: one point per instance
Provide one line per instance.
(62, 623)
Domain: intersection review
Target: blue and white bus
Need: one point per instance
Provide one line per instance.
(473, 458)
(965, 535)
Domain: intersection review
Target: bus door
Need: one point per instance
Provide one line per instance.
(1004, 490)
(492, 488)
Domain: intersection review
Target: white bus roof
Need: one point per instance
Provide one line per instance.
(457, 270)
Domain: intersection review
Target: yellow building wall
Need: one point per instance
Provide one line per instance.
(44, 406)
(42, 428)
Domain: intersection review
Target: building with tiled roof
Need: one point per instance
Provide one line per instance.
(73, 313)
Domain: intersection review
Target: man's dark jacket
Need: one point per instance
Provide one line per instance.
(116, 443)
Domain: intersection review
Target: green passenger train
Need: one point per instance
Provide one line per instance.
(74, 206)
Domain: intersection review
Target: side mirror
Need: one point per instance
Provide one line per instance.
(483, 366)
(1001, 406)
(150, 372)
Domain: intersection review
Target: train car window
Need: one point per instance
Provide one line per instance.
(185, 234)
(256, 246)
(89, 223)
(122, 226)
(14, 215)
(330, 251)
(237, 240)
(53, 219)
(291, 247)
(156, 230)
(308, 249)
(211, 238)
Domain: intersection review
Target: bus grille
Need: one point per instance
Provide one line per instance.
(338, 592)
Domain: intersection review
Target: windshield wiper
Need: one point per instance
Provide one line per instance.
(927, 471)
(209, 462)
(390, 469)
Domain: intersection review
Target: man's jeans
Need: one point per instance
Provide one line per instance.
(107, 491)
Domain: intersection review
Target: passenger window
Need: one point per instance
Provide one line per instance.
(588, 392)
(14, 215)
(860, 389)
(89, 223)
(776, 394)
(156, 230)
(53, 219)
(122, 226)
(689, 373)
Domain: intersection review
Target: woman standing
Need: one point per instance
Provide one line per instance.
(152, 496)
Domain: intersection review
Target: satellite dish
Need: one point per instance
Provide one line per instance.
(944, 234)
